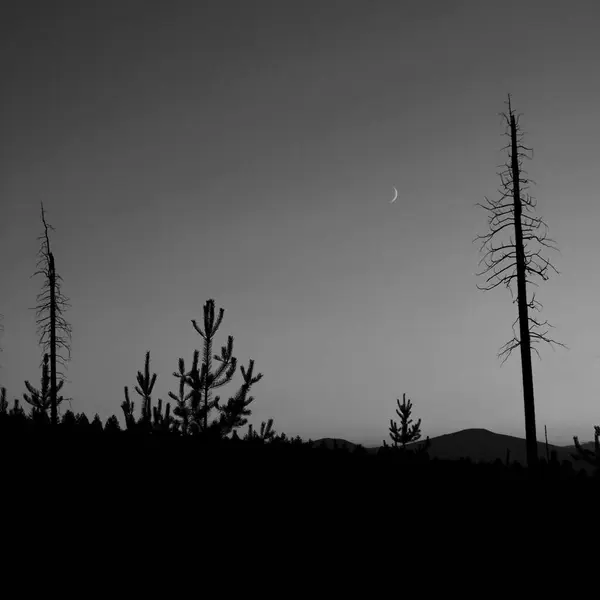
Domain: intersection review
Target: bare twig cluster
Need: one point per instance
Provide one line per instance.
(512, 216)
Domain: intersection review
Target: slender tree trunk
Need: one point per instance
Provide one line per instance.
(53, 399)
(525, 338)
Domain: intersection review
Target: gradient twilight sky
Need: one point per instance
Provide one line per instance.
(247, 151)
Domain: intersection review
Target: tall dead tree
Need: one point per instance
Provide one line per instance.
(519, 261)
(53, 329)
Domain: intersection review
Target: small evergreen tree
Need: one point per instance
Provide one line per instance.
(144, 389)
(96, 426)
(41, 400)
(195, 407)
(182, 408)
(112, 426)
(152, 418)
(204, 381)
(405, 433)
(128, 405)
(82, 423)
(161, 423)
(68, 419)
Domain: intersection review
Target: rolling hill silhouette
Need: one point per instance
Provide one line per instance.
(480, 445)
(339, 443)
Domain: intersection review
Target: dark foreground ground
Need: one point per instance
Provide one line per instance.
(178, 515)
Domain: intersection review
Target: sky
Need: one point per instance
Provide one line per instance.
(248, 151)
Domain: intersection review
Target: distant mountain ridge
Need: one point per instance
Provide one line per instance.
(340, 443)
(480, 445)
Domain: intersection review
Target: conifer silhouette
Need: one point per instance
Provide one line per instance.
(234, 413)
(204, 381)
(68, 422)
(405, 433)
(127, 406)
(144, 389)
(82, 422)
(96, 426)
(195, 407)
(182, 408)
(53, 329)
(41, 400)
(112, 426)
(161, 423)
(152, 418)
(512, 261)
(266, 432)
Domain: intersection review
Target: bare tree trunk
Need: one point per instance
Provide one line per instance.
(53, 390)
(506, 262)
(526, 366)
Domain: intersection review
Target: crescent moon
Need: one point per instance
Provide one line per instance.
(395, 195)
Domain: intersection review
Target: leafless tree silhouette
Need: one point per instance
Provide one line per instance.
(53, 329)
(518, 261)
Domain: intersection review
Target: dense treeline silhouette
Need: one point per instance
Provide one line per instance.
(91, 450)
